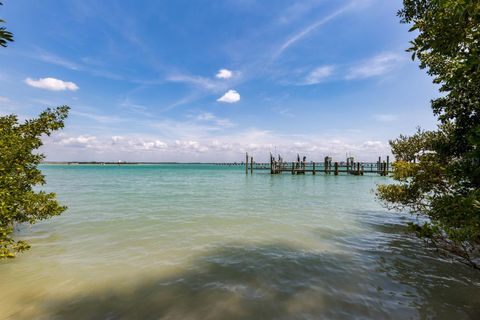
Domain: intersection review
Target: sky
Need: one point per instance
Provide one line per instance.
(203, 81)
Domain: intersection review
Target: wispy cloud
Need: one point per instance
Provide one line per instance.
(210, 117)
(96, 69)
(54, 59)
(205, 116)
(298, 10)
(97, 117)
(231, 96)
(319, 74)
(309, 29)
(51, 84)
(182, 101)
(376, 66)
(201, 82)
(185, 130)
(287, 112)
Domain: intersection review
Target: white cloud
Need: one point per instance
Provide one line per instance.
(369, 144)
(157, 144)
(51, 84)
(224, 74)
(231, 147)
(376, 66)
(4, 99)
(190, 146)
(115, 143)
(317, 75)
(231, 96)
(79, 141)
(133, 143)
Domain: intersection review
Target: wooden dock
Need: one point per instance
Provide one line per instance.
(327, 167)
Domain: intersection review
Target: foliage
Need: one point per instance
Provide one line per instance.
(438, 172)
(19, 202)
(5, 35)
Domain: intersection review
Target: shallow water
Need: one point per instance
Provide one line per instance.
(208, 242)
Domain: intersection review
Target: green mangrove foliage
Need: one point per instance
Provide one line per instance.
(19, 174)
(438, 172)
(19, 202)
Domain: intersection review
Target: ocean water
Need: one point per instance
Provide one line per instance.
(209, 242)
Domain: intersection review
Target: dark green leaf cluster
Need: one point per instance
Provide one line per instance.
(19, 174)
(439, 171)
(5, 35)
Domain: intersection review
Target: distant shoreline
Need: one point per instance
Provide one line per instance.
(133, 163)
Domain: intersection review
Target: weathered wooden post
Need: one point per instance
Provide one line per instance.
(271, 164)
(251, 165)
(384, 168)
(358, 168)
(313, 167)
(388, 163)
(350, 165)
(293, 167)
(336, 168)
(379, 165)
(246, 163)
(363, 169)
(328, 165)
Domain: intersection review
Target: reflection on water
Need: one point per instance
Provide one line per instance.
(333, 254)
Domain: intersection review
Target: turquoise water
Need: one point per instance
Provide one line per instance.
(209, 242)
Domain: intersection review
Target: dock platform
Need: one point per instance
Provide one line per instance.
(301, 166)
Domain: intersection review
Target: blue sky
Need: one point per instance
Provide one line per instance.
(210, 80)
